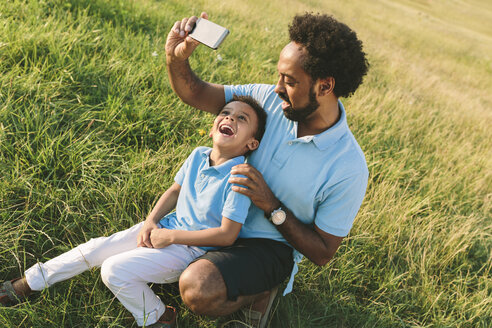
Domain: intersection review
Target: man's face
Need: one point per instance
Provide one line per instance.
(235, 127)
(294, 85)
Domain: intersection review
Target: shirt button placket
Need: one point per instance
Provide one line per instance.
(284, 153)
(201, 181)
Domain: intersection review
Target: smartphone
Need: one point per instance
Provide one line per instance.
(208, 33)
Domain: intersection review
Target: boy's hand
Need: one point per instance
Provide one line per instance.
(180, 46)
(256, 188)
(143, 238)
(161, 238)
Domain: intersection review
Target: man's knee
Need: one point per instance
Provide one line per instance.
(202, 287)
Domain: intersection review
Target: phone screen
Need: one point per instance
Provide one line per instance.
(209, 33)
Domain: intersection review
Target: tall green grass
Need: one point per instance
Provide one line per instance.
(91, 134)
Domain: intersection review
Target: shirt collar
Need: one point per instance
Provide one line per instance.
(224, 168)
(334, 133)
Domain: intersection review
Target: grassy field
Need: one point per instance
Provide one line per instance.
(91, 134)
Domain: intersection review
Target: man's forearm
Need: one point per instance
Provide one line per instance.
(316, 245)
(188, 86)
(312, 242)
(183, 80)
(192, 90)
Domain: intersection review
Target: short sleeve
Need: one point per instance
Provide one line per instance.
(180, 176)
(336, 214)
(261, 92)
(236, 206)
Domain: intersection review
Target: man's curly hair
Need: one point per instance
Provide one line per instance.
(333, 50)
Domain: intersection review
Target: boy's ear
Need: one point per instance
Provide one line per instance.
(253, 144)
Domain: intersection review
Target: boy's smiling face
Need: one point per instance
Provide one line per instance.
(235, 128)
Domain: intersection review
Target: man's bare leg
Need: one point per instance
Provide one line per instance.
(204, 291)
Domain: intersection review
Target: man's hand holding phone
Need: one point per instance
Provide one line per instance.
(187, 85)
(188, 33)
(180, 46)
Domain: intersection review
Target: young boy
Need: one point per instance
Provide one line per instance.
(208, 214)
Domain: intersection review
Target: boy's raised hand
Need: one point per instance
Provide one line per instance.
(180, 46)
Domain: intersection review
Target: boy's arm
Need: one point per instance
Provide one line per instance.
(224, 235)
(166, 204)
(188, 86)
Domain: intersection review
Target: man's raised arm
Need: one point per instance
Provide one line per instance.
(188, 86)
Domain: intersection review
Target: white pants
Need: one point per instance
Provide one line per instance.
(125, 268)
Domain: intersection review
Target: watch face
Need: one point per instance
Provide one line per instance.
(278, 217)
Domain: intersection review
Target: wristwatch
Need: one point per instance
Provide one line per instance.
(278, 216)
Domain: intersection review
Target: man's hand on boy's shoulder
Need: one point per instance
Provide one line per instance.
(255, 187)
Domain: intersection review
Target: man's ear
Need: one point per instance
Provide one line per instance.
(253, 144)
(326, 86)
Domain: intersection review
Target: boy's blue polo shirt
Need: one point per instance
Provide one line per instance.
(322, 179)
(206, 195)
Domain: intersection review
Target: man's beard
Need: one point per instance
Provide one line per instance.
(299, 114)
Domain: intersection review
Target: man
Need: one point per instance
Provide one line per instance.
(308, 178)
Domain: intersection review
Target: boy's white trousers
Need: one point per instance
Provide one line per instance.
(125, 268)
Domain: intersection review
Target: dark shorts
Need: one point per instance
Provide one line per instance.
(252, 265)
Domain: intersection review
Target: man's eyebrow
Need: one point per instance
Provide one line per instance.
(288, 75)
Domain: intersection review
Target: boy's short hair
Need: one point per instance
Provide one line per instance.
(260, 113)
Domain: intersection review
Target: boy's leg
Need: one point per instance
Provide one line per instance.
(81, 258)
(127, 275)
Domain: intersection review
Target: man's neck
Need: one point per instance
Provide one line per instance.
(321, 120)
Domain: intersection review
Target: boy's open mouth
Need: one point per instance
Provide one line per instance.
(227, 130)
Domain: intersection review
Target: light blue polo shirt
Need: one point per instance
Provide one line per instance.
(206, 195)
(322, 178)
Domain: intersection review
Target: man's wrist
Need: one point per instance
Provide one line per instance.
(276, 205)
(173, 60)
(278, 216)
